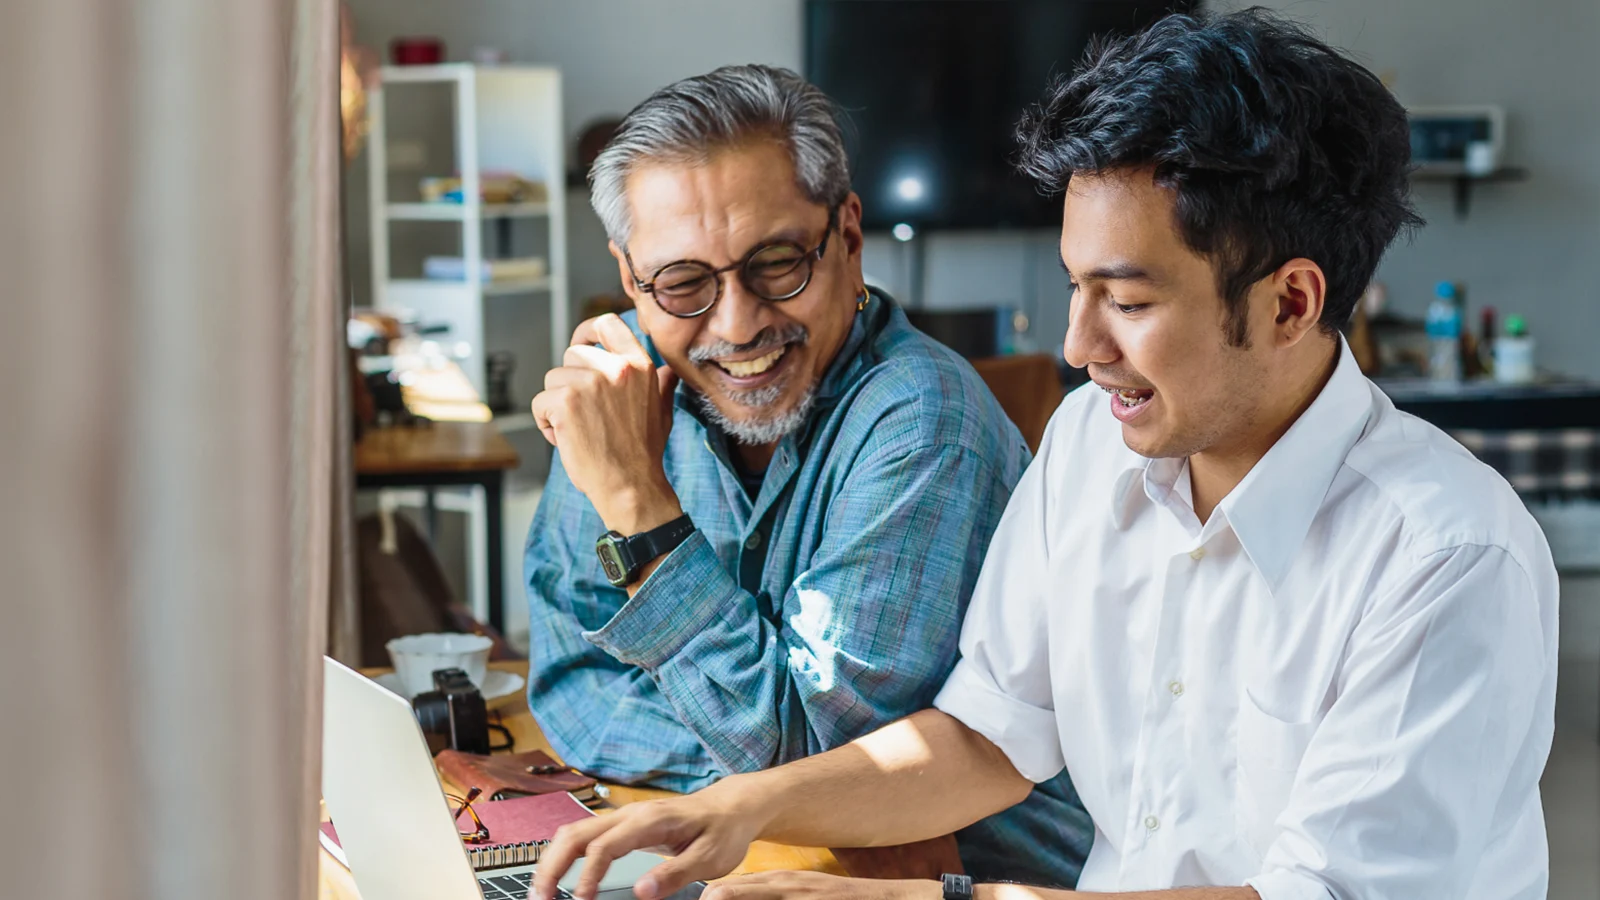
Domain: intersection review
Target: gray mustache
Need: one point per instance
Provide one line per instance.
(768, 339)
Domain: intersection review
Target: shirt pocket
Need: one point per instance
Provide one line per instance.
(1269, 753)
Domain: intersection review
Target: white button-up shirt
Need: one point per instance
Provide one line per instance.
(1341, 685)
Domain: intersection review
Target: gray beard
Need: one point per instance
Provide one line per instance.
(759, 429)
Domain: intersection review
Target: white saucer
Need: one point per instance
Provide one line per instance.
(497, 685)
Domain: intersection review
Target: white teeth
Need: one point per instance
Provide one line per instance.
(748, 367)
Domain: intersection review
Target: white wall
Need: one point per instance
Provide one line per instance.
(1529, 247)
(1533, 246)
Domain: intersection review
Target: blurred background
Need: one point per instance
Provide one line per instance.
(287, 274)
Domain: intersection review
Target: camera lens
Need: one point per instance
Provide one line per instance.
(433, 712)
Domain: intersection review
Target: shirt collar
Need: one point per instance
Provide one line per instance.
(1134, 479)
(1271, 510)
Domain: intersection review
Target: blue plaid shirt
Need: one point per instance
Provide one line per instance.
(795, 621)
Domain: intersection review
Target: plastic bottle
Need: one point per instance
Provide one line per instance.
(1513, 353)
(1444, 334)
(1486, 338)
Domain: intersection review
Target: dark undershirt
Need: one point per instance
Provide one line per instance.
(750, 480)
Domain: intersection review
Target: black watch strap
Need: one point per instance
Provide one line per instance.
(659, 541)
(623, 558)
(957, 887)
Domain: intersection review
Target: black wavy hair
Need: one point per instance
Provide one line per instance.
(1275, 145)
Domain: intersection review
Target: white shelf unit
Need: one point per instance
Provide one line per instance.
(507, 119)
(504, 118)
(457, 212)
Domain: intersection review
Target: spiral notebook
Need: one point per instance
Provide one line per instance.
(519, 829)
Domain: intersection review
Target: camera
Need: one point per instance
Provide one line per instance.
(453, 715)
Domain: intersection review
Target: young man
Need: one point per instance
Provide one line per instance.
(788, 539)
(1287, 641)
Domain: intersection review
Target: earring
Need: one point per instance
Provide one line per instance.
(861, 301)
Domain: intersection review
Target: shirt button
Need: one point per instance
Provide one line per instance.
(753, 542)
(1151, 823)
(1176, 687)
(1197, 554)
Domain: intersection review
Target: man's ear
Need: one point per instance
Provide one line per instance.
(850, 226)
(624, 273)
(1301, 290)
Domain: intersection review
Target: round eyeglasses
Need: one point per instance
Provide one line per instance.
(777, 271)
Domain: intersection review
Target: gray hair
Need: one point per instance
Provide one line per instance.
(687, 120)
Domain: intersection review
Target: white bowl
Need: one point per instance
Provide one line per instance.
(417, 656)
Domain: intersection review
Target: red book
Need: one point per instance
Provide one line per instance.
(518, 829)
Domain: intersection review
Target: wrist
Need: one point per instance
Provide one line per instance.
(746, 798)
(918, 889)
(637, 509)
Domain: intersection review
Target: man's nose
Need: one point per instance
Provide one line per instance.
(740, 315)
(1088, 339)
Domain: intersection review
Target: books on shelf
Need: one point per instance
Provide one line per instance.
(454, 268)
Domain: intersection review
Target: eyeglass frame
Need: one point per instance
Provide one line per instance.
(481, 835)
(716, 273)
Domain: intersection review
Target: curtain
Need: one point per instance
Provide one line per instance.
(173, 447)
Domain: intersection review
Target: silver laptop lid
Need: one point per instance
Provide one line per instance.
(384, 796)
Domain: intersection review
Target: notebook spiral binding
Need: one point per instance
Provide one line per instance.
(522, 853)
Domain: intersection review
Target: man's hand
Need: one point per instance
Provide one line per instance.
(706, 837)
(588, 331)
(817, 886)
(608, 409)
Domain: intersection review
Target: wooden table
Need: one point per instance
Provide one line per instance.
(443, 454)
(335, 882)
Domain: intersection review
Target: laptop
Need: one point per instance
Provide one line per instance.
(394, 822)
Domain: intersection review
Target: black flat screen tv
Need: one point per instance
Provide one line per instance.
(933, 89)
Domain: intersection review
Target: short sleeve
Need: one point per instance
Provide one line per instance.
(1000, 687)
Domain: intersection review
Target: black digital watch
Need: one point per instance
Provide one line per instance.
(623, 557)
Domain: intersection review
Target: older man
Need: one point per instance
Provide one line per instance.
(1290, 643)
(788, 539)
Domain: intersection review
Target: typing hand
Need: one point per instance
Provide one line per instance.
(608, 409)
(707, 839)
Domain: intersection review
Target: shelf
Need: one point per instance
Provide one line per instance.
(490, 288)
(456, 212)
(1464, 183)
(416, 74)
(517, 286)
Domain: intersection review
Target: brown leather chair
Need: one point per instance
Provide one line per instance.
(1028, 388)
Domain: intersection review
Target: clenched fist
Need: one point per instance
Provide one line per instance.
(608, 410)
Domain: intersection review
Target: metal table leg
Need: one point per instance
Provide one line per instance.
(493, 496)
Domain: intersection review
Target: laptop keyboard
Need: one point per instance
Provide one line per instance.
(512, 887)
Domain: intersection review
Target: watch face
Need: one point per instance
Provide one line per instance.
(611, 560)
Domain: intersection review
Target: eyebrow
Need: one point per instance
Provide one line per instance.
(797, 235)
(1116, 271)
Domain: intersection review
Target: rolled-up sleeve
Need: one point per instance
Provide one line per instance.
(1000, 687)
(1283, 884)
(1425, 756)
(687, 592)
(601, 715)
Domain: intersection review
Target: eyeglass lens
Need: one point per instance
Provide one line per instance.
(774, 272)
